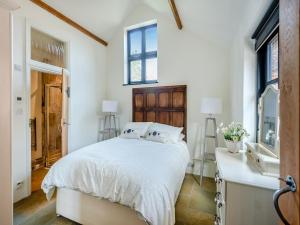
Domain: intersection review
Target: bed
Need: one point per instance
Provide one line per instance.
(126, 181)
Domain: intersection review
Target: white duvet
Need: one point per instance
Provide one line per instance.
(143, 175)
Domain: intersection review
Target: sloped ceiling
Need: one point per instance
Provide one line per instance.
(217, 20)
(101, 17)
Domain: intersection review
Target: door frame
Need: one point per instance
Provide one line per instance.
(6, 70)
(289, 59)
(40, 67)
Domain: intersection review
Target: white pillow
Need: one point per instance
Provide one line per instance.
(153, 135)
(140, 127)
(172, 133)
(130, 134)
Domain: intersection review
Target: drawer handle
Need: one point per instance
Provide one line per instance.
(219, 204)
(217, 220)
(217, 196)
(218, 180)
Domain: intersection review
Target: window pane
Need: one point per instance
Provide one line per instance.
(151, 39)
(136, 71)
(47, 49)
(135, 42)
(151, 69)
(273, 59)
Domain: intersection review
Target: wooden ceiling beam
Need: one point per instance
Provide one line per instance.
(66, 19)
(175, 14)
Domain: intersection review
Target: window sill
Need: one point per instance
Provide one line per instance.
(149, 82)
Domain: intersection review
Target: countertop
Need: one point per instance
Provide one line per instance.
(234, 167)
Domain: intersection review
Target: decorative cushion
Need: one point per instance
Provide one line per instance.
(140, 127)
(172, 133)
(130, 134)
(157, 136)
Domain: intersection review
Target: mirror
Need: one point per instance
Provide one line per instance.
(269, 119)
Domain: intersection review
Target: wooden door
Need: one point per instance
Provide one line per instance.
(289, 104)
(65, 112)
(53, 128)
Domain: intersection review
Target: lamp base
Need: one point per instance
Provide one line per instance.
(110, 125)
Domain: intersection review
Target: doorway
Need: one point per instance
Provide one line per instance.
(45, 124)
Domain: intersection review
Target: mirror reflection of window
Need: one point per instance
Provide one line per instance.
(270, 118)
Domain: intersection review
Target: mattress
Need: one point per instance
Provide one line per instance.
(143, 175)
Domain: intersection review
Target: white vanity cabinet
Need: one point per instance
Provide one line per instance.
(244, 196)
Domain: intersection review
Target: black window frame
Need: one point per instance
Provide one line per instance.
(267, 29)
(263, 64)
(143, 56)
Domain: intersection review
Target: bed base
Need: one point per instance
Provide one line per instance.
(90, 210)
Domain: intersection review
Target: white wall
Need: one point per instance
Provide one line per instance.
(97, 73)
(88, 74)
(243, 67)
(5, 117)
(183, 58)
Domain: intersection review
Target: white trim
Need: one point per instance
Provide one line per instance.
(44, 67)
(143, 24)
(41, 67)
(28, 108)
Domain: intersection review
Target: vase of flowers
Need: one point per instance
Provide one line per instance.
(234, 134)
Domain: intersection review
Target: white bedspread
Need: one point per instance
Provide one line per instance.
(143, 175)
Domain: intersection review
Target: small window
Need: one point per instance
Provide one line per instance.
(270, 73)
(47, 49)
(142, 55)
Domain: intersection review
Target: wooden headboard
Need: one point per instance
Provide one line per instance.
(165, 104)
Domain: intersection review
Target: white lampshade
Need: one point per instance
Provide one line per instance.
(211, 105)
(109, 106)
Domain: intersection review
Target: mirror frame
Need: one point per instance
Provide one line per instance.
(274, 152)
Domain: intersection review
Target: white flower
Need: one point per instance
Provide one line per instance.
(235, 138)
(234, 131)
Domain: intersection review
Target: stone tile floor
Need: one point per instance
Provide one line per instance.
(195, 206)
